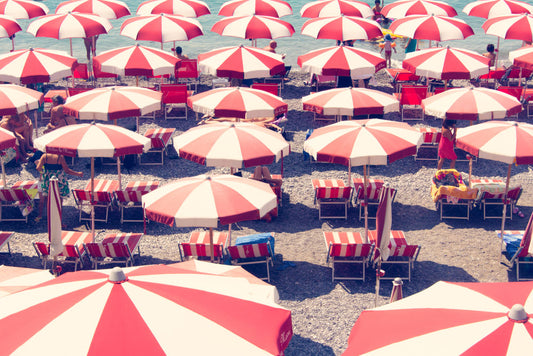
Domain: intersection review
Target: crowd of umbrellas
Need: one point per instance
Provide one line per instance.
(175, 291)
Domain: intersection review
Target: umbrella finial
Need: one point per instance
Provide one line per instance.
(117, 276)
(518, 314)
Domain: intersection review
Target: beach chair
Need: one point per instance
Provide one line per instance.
(14, 204)
(252, 254)
(175, 96)
(513, 91)
(5, 236)
(279, 78)
(429, 149)
(81, 71)
(411, 96)
(331, 193)
(452, 197)
(161, 138)
(187, 73)
(347, 248)
(401, 253)
(518, 245)
(373, 194)
(115, 248)
(491, 197)
(73, 250)
(132, 201)
(527, 100)
(271, 88)
(102, 200)
(199, 246)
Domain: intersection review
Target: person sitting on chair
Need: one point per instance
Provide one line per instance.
(263, 174)
(57, 117)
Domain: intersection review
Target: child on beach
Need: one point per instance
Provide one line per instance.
(446, 143)
(388, 47)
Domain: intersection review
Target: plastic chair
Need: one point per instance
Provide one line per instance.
(268, 87)
(174, 95)
(412, 96)
(13, 198)
(187, 72)
(347, 248)
(199, 247)
(513, 91)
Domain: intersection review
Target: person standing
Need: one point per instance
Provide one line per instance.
(447, 143)
(90, 46)
(388, 47)
(491, 55)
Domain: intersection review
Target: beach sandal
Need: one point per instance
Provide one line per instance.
(518, 212)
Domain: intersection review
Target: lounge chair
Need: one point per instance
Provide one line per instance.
(73, 250)
(491, 195)
(199, 246)
(14, 198)
(103, 200)
(449, 192)
(115, 248)
(5, 236)
(332, 193)
(518, 244)
(412, 96)
(252, 254)
(373, 196)
(347, 248)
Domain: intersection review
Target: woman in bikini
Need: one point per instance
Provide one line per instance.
(57, 117)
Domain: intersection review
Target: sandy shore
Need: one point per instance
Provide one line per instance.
(323, 312)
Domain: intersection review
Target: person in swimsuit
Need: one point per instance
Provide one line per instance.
(52, 165)
(446, 143)
(377, 10)
(57, 117)
(21, 126)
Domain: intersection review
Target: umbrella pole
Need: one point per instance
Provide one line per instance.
(469, 158)
(504, 210)
(137, 124)
(70, 40)
(4, 182)
(497, 52)
(282, 163)
(136, 80)
(378, 275)
(229, 234)
(211, 244)
(119, 175)
(12, 43)
(365, 185)
(92, 197)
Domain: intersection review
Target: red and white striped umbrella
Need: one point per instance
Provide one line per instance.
(136, 60)
(8, 26)
(122, 311)
(433, 28)
(273, 8)
(493, 8)
(511, 27)
(226, 199)
(244, 103)
(350, 102)
(23, 9)
(69, 25)
(234, 145)
(185, 8)
(342, 28)
(522, 57)
(15, 99)
(35, 65)
(111, 103)
(253, 27)
(109, 9)
(15, 279)
(241, 62)
(7, 140)
(161, 28)
(480, 318)
(402, 8)
(329, 8)
(471, 104)
(342, 61)
(446, 63)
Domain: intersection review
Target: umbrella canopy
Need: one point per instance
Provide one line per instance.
(493, 8)
(35, 65)
(109, 9)
(234, 145)
(15, 99)
(522, 57)
(54, 218)
(342, 61)
(185, 8)
(23, 9)
(433, 28)
(244, 103)
(471, 104)
(350, 102)
(122, 313)
(110, 103)
(161, 28)
(342, 28)
(480, 318)
(8, 26)
(241, 62)
(446, 63)
(14, 279)
(253, 27)
(511, 27)
(273, 8)
(402, 8)
(136, 60)
(69, 25)
(205, 201)
(329, 8)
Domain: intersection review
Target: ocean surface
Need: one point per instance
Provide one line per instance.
(292, 46)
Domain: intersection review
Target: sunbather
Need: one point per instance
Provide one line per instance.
(263, 174)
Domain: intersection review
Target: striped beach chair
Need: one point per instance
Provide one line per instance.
(252, 254)
(14, 198)
(199, 246)
(332, 192)
(491, 194)
(373, 192)
(5, 236)
(73, 250)
(131, 198)
(115, 248)
(347, 248)
(102, 200)
(428, 150)
(161, 138)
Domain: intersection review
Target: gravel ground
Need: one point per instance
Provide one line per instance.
(323, 312)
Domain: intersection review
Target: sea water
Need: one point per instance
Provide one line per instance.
(293, 46)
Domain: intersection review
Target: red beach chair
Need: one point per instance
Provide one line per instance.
(347, 248)
(115, 248)
(252, 254)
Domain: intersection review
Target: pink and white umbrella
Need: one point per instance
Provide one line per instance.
(342, 61)
(493, 8)
(342, 28)
(433, 28)
(350, 102)
(511, 27)
(402, 8)
(109, 9)
(161, 28)
(35, 65)
(226, 199)
(122, 313)
(253, 27)
(8, 27)
(471, 104)
(15, 99)
(480, 318)
(15, 279)
(273, 8)
(23, 9)
(241, 62)
(234, 145)
(136, 60)
(446, 63)
(237, 102)
(185, 8)
(522, 57)
(330, 8)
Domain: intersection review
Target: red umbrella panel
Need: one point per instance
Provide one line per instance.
(511, 27)
(15, 99)
(23, 9)
(493, 8)
(522, 57)
(273, 8)
(330, 8)
(433, 28)
(109, 9)
(402, 8)
(185, 8)
(253, 27)
(69, 25)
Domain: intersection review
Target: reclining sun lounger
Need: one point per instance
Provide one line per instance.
(449, 192)
(518, 245)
